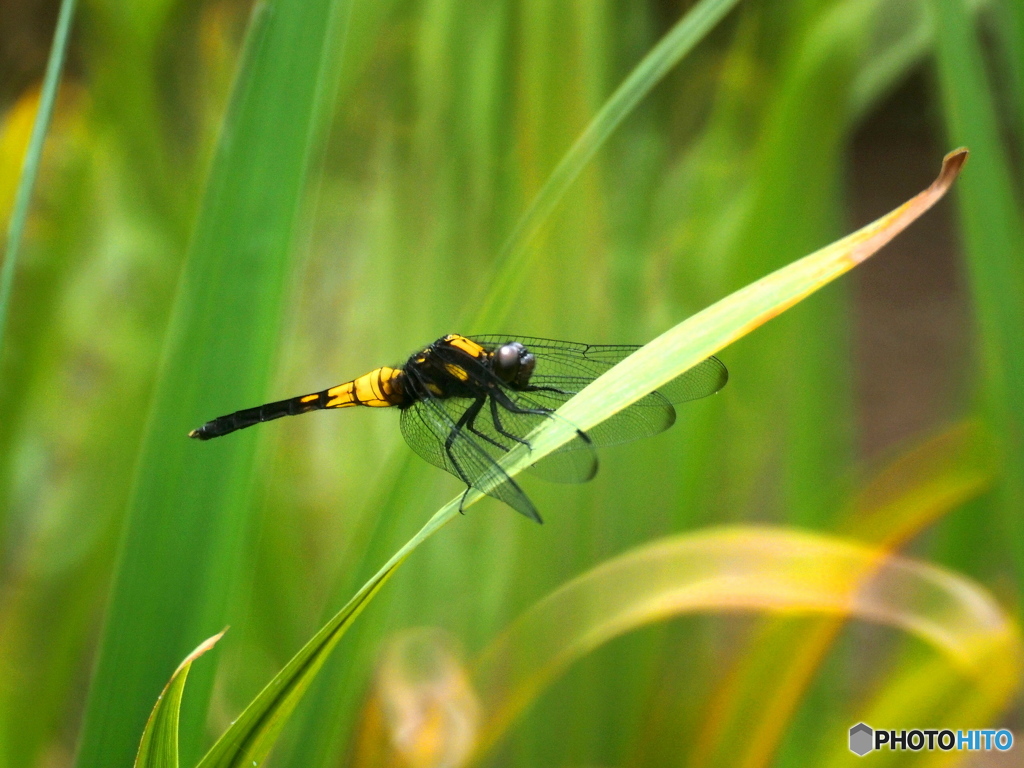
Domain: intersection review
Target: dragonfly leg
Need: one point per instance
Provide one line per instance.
(470, 414)
(533, 388)
(501, 430)
(471, 426)
(509, 405)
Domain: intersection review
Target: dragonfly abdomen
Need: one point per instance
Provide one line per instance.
(380, 388)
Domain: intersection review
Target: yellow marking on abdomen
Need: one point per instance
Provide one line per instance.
(376, 389)
(310, 398)
(471, 348)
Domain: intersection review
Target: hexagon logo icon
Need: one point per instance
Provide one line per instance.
(861, 739)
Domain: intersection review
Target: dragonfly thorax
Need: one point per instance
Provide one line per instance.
(513, 364)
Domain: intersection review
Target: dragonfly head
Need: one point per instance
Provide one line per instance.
(514, 364)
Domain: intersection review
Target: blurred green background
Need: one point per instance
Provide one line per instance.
(373, 158)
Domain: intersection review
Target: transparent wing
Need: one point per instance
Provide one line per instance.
(569, 362)
(566, 367)
(648, 416)
(430, 430)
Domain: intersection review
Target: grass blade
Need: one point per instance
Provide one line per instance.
(705, 333)
(993, 229)
(159, 745)
(253, 733)
(30, 169)
(513, 260)
(187, 523)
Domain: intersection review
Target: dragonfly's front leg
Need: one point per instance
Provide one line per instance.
(498, 426)
(532, 388)
(506, 402)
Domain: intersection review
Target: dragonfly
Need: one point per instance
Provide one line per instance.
(465, 401)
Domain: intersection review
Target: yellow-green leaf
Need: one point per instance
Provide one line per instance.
(752, 569)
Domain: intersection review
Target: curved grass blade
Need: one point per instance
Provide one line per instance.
(760, 695)
(253, 733)
(514, 258)
(159, 745)
(922, 485)
(747, 568)
(30, 170)
(702, 335)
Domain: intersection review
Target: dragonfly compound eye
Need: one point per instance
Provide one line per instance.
(527, 362)
(513, 364)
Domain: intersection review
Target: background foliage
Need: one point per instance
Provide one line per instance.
(419, 131)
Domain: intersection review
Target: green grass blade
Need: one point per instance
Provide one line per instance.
(30, 169)
(159, 745)
(253, 733)
(993, 231)
(1011, 30)
(187, 522)
(514, 258)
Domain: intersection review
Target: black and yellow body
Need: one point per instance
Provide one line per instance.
(380, 388)
(442, 375)
(467, 401)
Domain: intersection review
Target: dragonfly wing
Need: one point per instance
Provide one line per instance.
(563, 368)
(558, 360)
(704, 379)
(568, 464)
(648, 416)
(431, 428)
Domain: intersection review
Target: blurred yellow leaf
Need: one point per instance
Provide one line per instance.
(922, 484)
(755, 569)
(760, 693)
(15, 131)
(423, 707)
